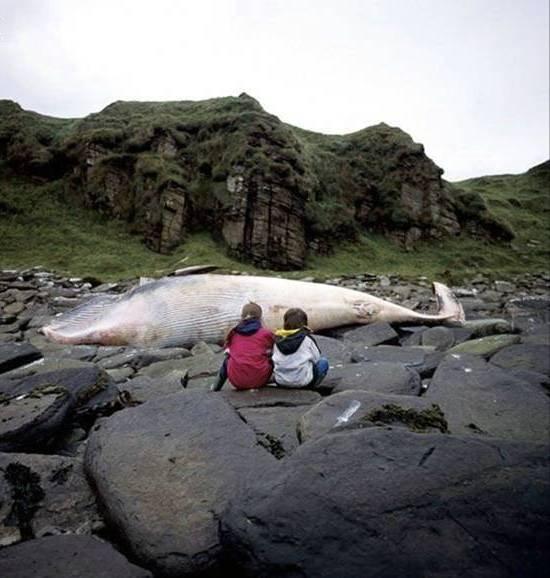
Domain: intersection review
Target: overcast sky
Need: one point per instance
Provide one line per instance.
(467, 78)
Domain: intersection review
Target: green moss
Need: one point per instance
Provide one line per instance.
(419, 421)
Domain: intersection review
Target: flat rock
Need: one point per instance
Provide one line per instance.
(79, 352)
(270, 397)
(441, 338)
(67, 556)
(335, 350)
(31, 421)
(45, 365)
(275, 427)
(82, 382)
(381, 376)
(485, 346)
(479, 398)
(537, 335)
(196, 365)
(484, 327)
(68, 504)
(372, 334)
(352, 409)
(185, 456)
(138, 358)
(409, 356)
(120, 374)
(379, 502)
(13, 355)
(144, 388)
(524, 356)
(533, 377)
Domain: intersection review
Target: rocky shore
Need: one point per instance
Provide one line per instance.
(424, 454)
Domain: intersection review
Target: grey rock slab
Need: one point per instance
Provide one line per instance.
(107, 351)
(68, 503)
(185, 456)
(479, 398)
(387, 503)
(29, 422)
(381, 376)
(335, 350)
(524, 356)
(484, 327)
(372, 334)
(269, 397)
(120, 374)
(196, 365)
(275, 427)
(14, 355)
(78, 352)
(410, 356)
(138, 358)
(66, 557)
(537, 335)
(144, 388)
(351, 409)
(45, 365)
(81, 382)
(533, 377)
(430, 364)
(442, 338)
(485, 346)
(14, 308)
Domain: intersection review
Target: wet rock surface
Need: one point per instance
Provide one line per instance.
(56, 556)
(377, 502)
(428, 444)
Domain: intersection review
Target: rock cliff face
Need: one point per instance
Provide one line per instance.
(270, 192)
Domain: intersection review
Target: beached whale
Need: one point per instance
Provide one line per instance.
(184, 310)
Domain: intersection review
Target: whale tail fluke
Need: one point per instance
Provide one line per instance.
(449, 307)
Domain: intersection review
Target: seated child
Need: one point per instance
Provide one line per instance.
(297, 360)
(248, 346)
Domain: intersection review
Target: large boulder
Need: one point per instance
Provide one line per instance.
(479, 398)
(275, 427)
(486, 346)
(31, 421)
(335, 350)
(381, 376)
(13, 355)
(44, 494)
(533, 356)
(386, 503)
(372, 334)
(185, 456)
(39, 406)
(357, 408)
(409, 356)
(67, 556)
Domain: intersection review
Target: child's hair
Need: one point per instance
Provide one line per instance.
(251, 311)
(295, 318)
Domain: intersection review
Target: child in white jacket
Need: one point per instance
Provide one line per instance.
(297, 359)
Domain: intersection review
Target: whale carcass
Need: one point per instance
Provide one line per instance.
(184, 310)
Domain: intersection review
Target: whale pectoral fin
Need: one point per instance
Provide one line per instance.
(366, 312)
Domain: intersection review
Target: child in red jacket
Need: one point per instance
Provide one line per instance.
(248, 352)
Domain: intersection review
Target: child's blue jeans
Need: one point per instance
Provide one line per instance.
(320, 370)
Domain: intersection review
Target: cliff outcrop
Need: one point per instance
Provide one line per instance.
(268, 191)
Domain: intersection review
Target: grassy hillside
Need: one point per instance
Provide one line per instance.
(38, 227)
(523, 201)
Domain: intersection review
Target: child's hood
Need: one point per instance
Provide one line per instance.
(288, 341)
